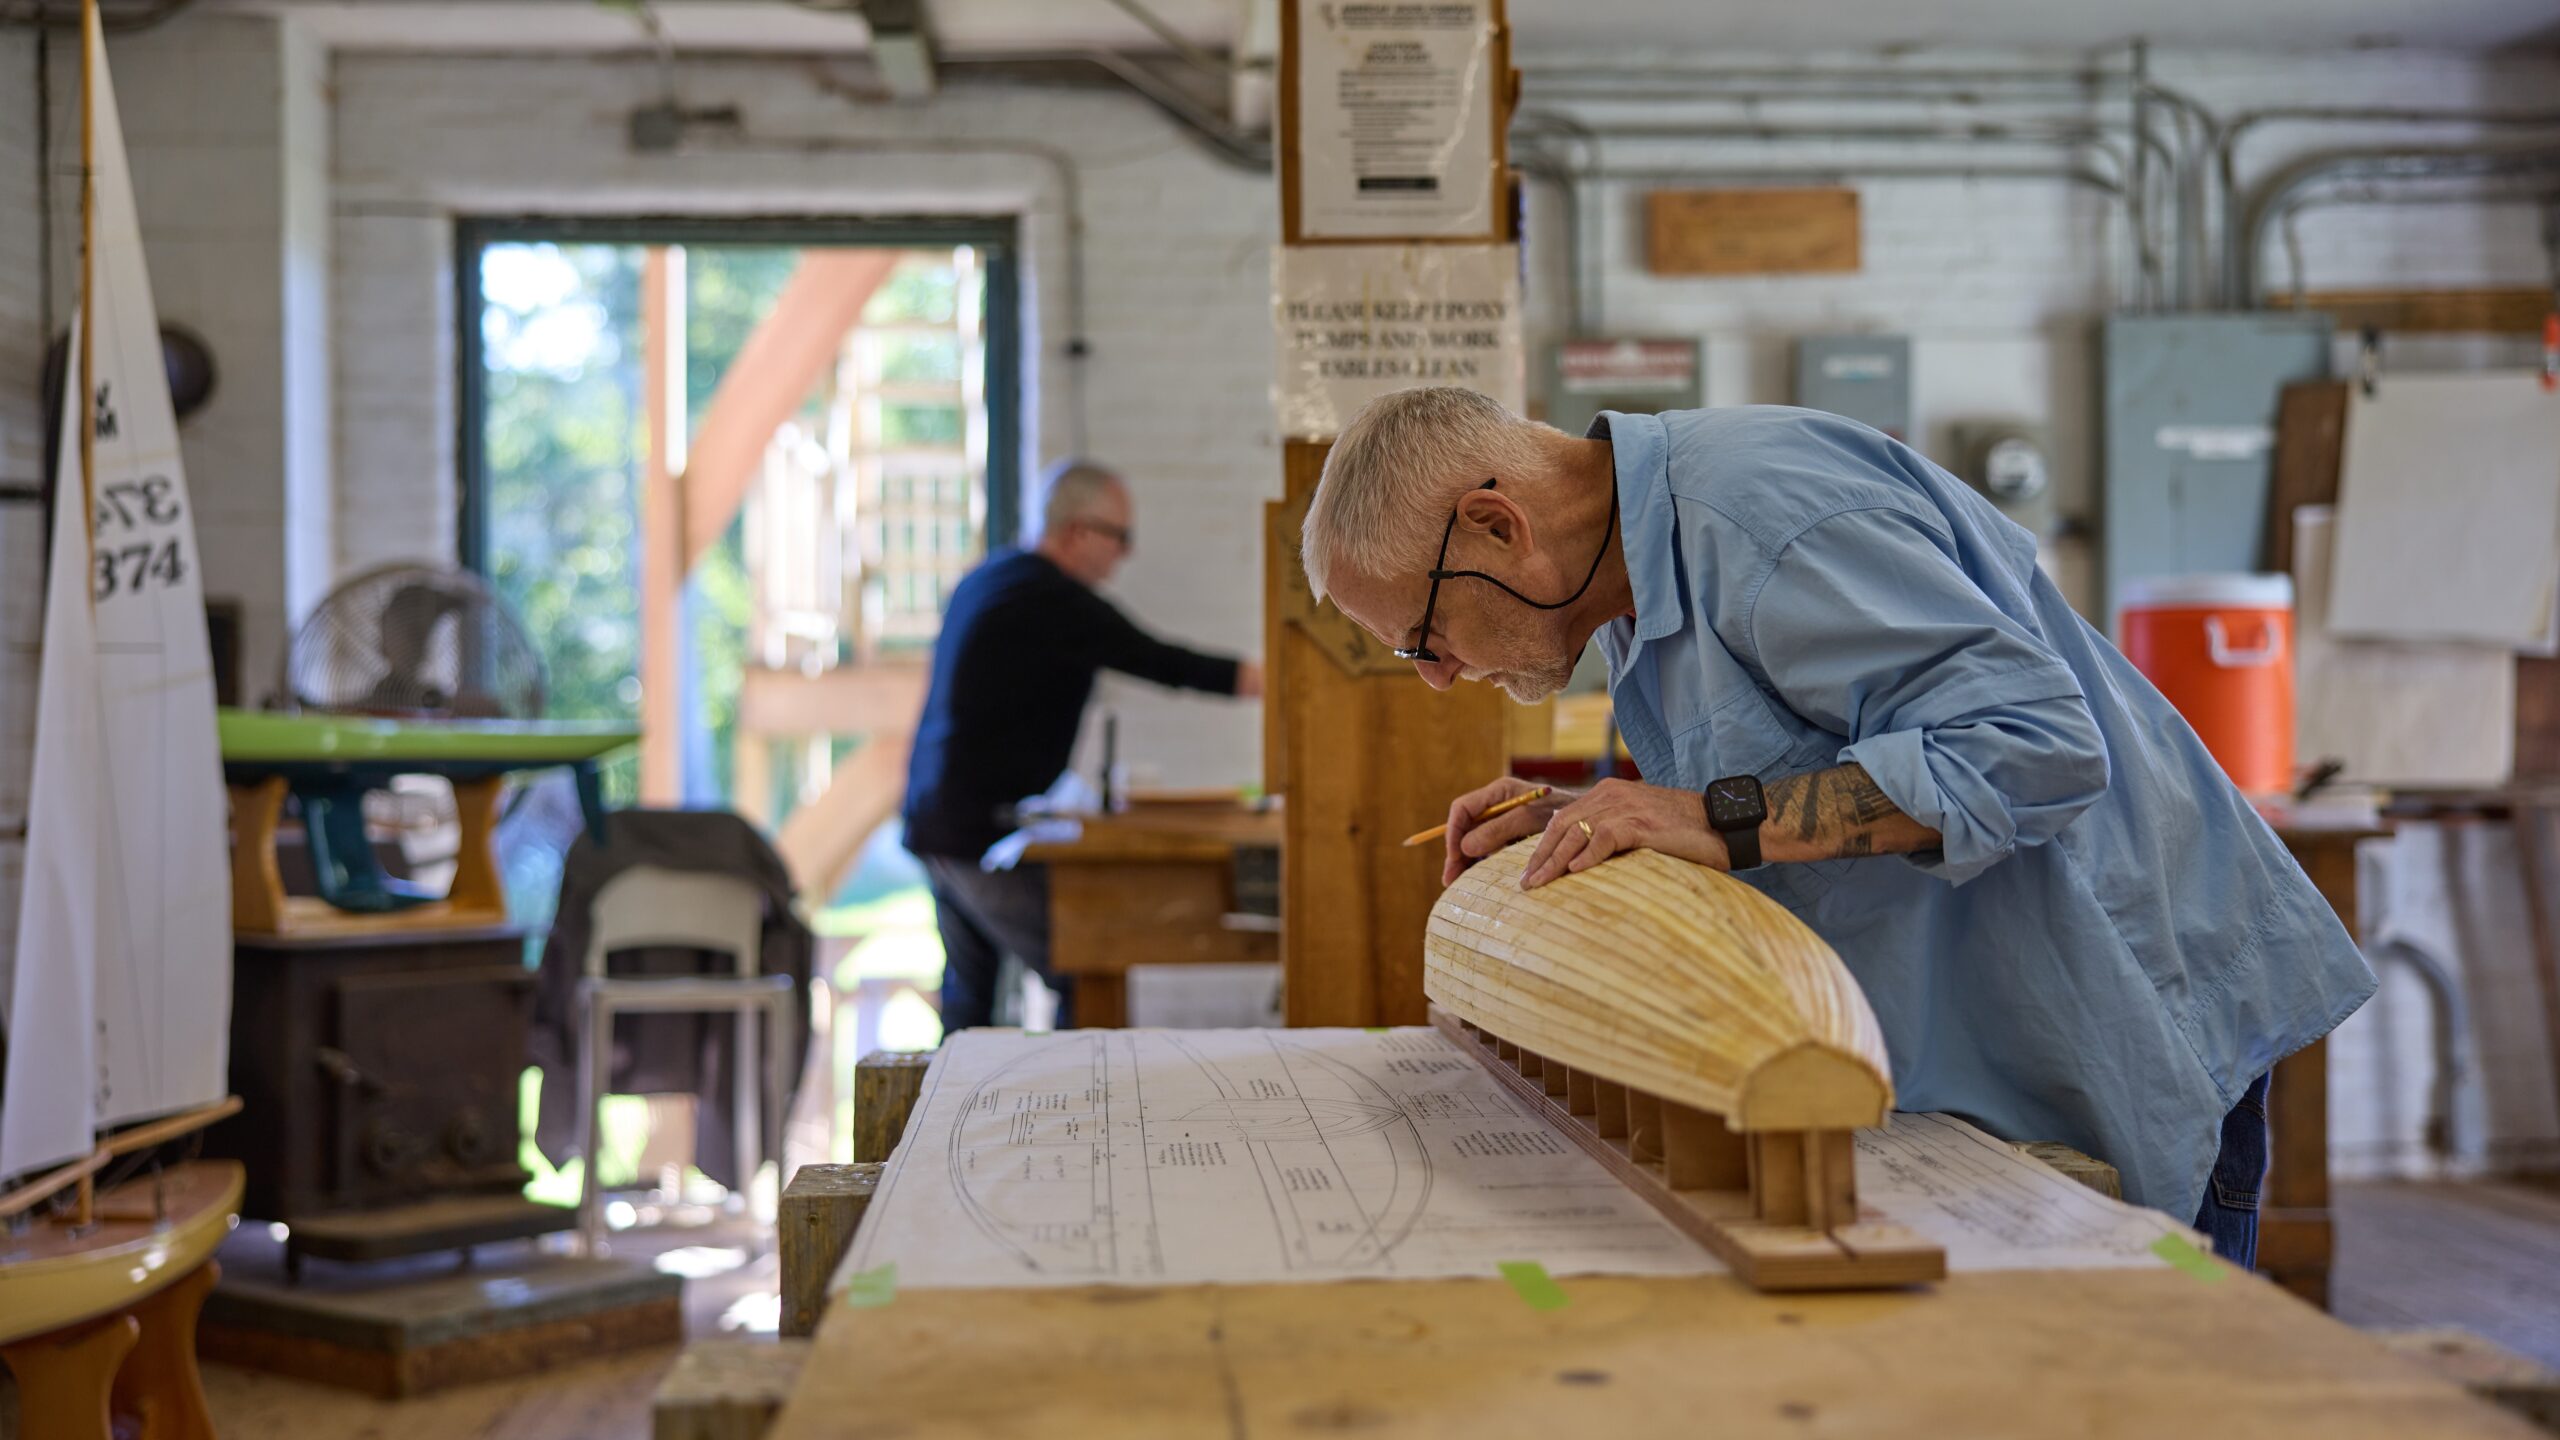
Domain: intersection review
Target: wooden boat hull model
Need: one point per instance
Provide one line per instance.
(1698, 1040)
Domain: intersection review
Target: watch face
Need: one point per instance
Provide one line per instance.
(1735, 803)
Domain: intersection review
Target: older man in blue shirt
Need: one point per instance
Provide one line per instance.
(1842, 675)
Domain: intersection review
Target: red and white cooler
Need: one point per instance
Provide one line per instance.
(2221, 648)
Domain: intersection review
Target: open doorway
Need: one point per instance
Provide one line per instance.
(728, 473)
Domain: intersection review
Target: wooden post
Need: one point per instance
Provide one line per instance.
(663, 561)
(885, 1086)
(1778, 1176)
(821, 1208)
(1365, 752)
(1830, 1179)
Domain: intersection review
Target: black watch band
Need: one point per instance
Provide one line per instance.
(1735, 808)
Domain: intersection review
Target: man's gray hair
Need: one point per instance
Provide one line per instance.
(1071, 490)
(1399, 468)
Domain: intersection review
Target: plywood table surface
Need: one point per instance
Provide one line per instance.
(2120, 1353)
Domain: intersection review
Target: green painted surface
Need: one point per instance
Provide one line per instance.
(253, 736)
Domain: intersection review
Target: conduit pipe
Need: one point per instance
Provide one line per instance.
(2386, 164)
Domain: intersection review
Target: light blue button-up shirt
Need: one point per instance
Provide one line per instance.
(2111, 945)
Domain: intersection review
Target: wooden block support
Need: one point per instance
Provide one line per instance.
(1778, 1176)
(726, 1389)
(1830, 1179)
(1609, 1113)
(1579, 1093)
(885, 1086)
(1700, 1152)
(1644, 1126)
(821, 1208)
(1556, 1077)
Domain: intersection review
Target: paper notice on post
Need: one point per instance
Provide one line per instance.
(1141, 1157)
(1395, 119)
(1354, 322)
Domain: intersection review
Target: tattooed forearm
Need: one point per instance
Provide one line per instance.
(1839, 812)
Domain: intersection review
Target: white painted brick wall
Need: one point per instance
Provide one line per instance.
(1178, 265)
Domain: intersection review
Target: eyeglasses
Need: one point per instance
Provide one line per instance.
(1421, 648)
(1123, 535)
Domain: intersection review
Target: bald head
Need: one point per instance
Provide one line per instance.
(1087, 520)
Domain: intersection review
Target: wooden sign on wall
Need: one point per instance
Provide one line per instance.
(1751, 232)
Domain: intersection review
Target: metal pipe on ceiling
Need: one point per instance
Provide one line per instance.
(2281, 189)
(2075, 135)
(2238, 281)
(1584, 311)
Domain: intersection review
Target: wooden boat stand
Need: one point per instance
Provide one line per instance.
(1778, 1204)
(119, 1355)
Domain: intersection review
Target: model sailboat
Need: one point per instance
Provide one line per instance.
(117, 992)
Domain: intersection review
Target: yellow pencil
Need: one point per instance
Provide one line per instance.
(1514, 803)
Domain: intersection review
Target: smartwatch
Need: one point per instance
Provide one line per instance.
(1735, 808)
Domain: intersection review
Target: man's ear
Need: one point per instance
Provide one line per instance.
(1498, 517)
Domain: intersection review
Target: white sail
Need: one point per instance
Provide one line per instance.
(121, 992)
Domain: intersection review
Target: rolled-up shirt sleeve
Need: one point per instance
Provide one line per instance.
(1965, 719)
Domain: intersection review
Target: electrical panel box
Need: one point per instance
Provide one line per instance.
(1865, 377)
(1634, 375)
(2190, 428)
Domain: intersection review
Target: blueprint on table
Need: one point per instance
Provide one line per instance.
(1148, 1157)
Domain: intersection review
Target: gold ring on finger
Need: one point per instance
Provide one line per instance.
(1586, 828)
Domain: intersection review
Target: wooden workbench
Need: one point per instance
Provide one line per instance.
(2210, 1351)
(2128, 1352)
(1149, 887)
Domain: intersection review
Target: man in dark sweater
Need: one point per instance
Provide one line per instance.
(1021, 641)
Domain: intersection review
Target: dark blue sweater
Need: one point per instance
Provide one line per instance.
(1020, 644)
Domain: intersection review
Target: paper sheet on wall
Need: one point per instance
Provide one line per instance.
(2396, 712)
(1253, 1156)
(1395, 120)
(1356, 321)
(2449, 512)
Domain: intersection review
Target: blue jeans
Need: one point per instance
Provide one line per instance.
(985, 915)
(2229, 1215)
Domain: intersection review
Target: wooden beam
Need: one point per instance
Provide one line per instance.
(847, 700)
(663, 558)
(824, 836)
(790, 348)
(2516, 311)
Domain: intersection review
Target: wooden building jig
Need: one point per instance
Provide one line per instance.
(1694, 1037)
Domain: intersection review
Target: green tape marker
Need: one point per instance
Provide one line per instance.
(1377, 1029)
(2179, 1252)
(1534, 1284)
(869, 1289)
